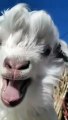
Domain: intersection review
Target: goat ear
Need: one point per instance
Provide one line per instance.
(61, 51)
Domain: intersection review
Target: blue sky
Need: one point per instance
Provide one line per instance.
(58, 9)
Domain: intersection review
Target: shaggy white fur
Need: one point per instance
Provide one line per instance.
(32, 35)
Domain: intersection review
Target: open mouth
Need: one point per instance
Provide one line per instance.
(13, 91)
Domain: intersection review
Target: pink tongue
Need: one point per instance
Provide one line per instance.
(10, 94)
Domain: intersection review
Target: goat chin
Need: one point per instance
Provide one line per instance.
(35, 110)
(30, 48)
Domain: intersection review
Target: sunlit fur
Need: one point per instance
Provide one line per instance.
(23, 35)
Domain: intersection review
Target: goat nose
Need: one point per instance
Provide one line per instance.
(12, 64)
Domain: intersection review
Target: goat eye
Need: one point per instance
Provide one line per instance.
(46, 51)
(0, 42)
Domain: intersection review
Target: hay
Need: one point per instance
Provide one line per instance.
(59, 94)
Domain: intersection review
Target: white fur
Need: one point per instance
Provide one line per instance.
(23, 35)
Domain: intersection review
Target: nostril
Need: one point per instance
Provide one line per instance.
(8, 66)
(24, 66)
(7, 63)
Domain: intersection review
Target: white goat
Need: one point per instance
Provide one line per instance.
(32, 59)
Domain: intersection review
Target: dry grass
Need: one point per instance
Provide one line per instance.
(59, 94)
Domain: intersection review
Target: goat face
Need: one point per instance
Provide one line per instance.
(29, 66)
